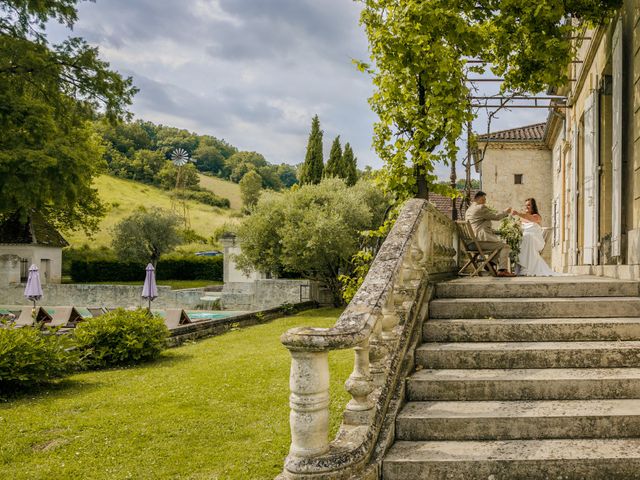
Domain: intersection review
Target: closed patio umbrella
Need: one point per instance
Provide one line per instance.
(150, 290)
(33, 290)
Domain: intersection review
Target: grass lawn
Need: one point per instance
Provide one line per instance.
(216, 409)
(123, 197)
(174, 284)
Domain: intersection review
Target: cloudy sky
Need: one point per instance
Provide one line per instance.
(253, 72)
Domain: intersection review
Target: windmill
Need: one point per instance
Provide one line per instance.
(180, 158)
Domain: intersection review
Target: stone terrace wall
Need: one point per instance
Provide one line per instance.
(102, 296)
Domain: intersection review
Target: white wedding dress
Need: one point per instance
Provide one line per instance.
(530, 261)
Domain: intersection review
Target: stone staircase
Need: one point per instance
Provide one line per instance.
(524, 378)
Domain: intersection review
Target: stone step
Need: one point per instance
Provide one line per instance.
(566, 459)
(524, 384)
(529, 355)
(531, 329)
(536, 287)
(512, 420)
(582, 307)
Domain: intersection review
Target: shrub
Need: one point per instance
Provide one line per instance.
(168, 268)
(30, 356)
(203, 196)
(121, 337)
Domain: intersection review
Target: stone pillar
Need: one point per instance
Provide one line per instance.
(9, 269)
(309, 402)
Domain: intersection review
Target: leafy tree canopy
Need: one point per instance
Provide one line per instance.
(312, 231)
(334, 166)
(420, 48)
(145, 235)
(48, 153)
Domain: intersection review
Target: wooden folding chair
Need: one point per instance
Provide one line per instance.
(478, 259)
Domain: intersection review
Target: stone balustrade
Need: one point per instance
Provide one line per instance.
(381, 324)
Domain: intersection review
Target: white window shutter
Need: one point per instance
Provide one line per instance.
(616, 144)
(589, 190)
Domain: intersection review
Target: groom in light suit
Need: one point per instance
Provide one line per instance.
(480, 217)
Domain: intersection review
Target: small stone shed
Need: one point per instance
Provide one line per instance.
(35, 242)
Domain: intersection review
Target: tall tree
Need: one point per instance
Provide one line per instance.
(49, 153)
(313, 162)
(335, 166)
(250, 189)
(350, 166)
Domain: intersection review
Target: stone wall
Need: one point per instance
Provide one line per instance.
(269, 293)
(102, 296)
(499, 166)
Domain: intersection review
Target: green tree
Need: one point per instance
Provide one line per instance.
(145, 235)
(313, 166)
(335, 166)
(312, 231)
(250, 189)
(209, 159)
(240, 163)
(420, 50)
(350, 166)
(168, 174)
(49, 154)
(145, 165)
(288, 175)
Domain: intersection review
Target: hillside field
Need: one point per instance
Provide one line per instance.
(122, 197)
(223, 188)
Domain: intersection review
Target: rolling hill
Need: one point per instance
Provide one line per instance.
(123, 197)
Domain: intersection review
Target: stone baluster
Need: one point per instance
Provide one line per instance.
(378, 353)
(390, 320)
(360, 385)
(309, 402)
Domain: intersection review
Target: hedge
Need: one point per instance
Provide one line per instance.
(203, 196)
(196, 268)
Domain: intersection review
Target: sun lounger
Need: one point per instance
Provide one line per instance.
(173, 317)
(25, 319)
(96, 311)
(63, 316)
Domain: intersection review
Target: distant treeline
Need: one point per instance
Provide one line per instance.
(141, 151)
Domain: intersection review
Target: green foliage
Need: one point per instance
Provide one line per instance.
(30, 356)
(350, 166)
(168, 268)
(203, 196)
(419, 50)
(312, 231)
(511, 231)
(250, 189)
(312, 168)
(121, 337)
(361, 262)
(49, 155)
(334, 166)
(145, 235)
(85, 252)
(167, 177)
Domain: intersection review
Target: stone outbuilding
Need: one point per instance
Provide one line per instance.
(514, 165)
(35, 242)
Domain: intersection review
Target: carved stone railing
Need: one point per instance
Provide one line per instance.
(382, 324)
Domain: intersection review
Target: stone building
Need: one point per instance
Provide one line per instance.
(595, 145)
(514, 165)
(35, 242)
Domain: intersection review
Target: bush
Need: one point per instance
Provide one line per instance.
(203, 196)
(30, 356)
(84, 252)
(121, 337)
(170, 268)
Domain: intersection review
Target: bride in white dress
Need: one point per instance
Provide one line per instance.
(530, 261)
